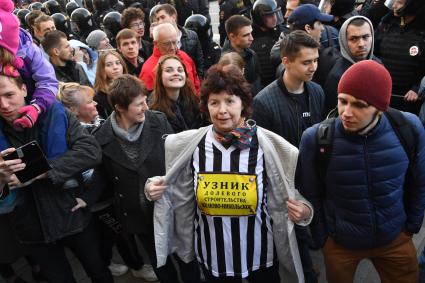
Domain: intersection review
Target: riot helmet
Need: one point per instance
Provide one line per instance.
(61, 22)
(51, 7)
(119, 7)
(35, 6)
(266, 14)
(81, 21)
(199, 24)
(21, 14)
(71, 7)
(112, 23)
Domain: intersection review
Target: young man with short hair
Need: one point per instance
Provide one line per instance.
(356, 44)
(134, 19)
(60, 52)
(239, 33)
(128, 46)
(42, 25)
(187, 40)
(365, 179)
(291, 104)
(308, 18)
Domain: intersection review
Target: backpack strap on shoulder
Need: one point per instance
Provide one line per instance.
(404, 131)
(324, 140)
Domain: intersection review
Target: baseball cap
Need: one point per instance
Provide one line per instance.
(306, 14)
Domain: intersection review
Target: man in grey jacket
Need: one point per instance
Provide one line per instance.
(356, 40)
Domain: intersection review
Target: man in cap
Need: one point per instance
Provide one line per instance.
(364, 173)
(308, 18)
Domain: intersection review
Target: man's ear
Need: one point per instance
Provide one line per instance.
(285, 60)
(55, 51)
(24, 90)
(307, 28)
(231, 35)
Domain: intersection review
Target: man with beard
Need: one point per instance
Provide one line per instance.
(356, 39)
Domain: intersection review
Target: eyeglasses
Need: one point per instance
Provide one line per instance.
(138, 25)
(169, 44)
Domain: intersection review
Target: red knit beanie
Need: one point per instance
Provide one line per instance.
(9, 27)
(368, 81)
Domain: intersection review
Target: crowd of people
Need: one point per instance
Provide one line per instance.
(124, 126)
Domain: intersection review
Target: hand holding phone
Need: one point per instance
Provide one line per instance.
(8, 166)
(35, 163)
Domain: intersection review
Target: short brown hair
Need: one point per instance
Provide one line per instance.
(236, 22)
(32, 16)
(52, 40)
(293, 42)
(125, 34)
(41, 19)
(168, 8)
(125, 89)
(230, 79)
(131, 14)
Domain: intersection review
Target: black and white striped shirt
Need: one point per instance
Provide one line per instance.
(233, 245)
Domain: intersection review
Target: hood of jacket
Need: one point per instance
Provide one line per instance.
(343, 42)
(76, 43)
(25, 40)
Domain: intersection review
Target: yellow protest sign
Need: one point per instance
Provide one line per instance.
(227, 194)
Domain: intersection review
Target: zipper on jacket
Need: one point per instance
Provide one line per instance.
(369, 189)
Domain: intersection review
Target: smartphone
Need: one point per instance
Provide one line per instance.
(32, 155)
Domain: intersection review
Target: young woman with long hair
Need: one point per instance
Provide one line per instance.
(174, 96)
(109, 66)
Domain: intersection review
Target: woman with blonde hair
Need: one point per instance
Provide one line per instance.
(79, 100)
(109, 66)
(232, 58)
(174, 96)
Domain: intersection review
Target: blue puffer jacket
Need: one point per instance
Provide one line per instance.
(364, 201)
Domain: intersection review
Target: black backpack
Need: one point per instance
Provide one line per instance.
(325, 133)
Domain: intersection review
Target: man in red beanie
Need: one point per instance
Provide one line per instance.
(357, 170)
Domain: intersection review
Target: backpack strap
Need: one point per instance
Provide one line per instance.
(324, 140)
(404, 131)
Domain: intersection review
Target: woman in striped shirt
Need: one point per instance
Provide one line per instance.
(241, 178)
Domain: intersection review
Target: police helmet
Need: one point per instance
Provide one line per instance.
(51, 7)
(35, 6)
(71, 7)
(112, 22)
(82, 19)
(61, 22)
(264, 8)
(199, 24)
(21, 14)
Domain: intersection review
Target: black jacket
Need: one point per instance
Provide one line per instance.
(273, 107)
(71, 73)
(252, 66)
(262, 45)
(43, 214)
(127, 181)
(331, 83)
(191, 45)
(103, 106)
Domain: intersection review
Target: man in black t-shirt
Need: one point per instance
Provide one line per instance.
(293, 102)
(290, 105)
